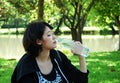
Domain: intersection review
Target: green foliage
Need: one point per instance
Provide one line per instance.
(72, 9)
(6, 9)
(74, 14)
(26, 9)
(23, 6)
(105, 11)
(51, 13)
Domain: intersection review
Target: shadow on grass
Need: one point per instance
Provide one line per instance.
(104, 67)
(6, 69)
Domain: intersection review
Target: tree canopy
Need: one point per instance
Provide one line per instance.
(108, 12)
(71, 13)
(74, 13)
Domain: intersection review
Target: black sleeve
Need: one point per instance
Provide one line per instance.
(74, 74)
(30, 78)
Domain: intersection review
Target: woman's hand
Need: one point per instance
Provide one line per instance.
(77, 48)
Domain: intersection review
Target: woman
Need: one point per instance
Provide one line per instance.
(42, 64)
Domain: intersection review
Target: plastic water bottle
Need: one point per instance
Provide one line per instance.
(85, 52)
(67, 43)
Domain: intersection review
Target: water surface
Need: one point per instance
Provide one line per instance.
(11, 46)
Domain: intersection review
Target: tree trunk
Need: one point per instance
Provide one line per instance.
(40, 10)
(119, 39)
(79, 33)
(74, 33)
(57, 31)
(113, 30)
(118, 24)
(78, 19)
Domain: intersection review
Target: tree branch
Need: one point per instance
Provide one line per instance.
(83, 19)
(117, 21)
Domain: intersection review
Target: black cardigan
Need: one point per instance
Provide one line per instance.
(27, 67)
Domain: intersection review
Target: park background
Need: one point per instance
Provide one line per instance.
(95, 23)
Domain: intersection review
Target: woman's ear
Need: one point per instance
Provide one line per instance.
(39, 42)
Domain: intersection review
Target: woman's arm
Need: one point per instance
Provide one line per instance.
(77, 49)
(82, 63)
(30, 78)
(73, 74)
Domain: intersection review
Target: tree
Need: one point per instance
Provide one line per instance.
(40, 9)
(109, 11)
(5, 11)
(18, 8)
(75, 13)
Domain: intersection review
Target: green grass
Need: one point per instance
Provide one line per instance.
(104, 67)
(6, 69)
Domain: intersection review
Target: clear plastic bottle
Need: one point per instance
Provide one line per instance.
(67, 43)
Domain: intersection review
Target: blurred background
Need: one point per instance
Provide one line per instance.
(96, 24)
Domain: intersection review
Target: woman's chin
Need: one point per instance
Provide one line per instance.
(54, 47)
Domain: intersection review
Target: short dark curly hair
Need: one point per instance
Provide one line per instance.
(34, 31)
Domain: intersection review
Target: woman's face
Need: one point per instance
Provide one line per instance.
(49, 40)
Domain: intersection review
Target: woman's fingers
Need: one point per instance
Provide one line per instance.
(77, 47)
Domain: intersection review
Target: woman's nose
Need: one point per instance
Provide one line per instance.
(54, 37)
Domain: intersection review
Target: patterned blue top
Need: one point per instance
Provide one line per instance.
(42, 78)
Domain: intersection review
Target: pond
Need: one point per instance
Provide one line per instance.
(11, 46)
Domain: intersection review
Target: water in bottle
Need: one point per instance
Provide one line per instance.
(67, 43)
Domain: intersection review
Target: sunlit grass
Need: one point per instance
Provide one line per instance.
(104, 67)
(6, 69)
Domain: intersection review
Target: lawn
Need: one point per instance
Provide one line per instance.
(104, 67)
(6, 69)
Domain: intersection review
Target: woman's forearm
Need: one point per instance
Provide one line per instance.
(82, 63)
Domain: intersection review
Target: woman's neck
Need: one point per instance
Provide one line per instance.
(44, 62)
(44, 55)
